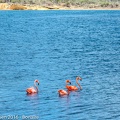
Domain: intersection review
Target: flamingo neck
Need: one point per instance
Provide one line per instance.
(35, 86)
(78, 83)
(66, 84)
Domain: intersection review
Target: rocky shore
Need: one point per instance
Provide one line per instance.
(14, 6)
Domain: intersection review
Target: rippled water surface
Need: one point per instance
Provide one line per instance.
(53, 46)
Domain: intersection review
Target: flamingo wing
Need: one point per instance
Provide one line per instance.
(71, 88)
(31, 90)
(62, 92)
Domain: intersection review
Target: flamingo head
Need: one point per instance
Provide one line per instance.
(37, 81)
(68, 81)
(78, 78)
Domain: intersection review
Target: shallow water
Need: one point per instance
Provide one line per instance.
(53, 46)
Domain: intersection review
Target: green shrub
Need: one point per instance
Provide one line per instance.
(104, 4)
(2, 1)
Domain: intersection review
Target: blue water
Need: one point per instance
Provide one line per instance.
(53, 46)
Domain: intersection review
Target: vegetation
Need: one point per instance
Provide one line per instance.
(58, 1)
(67, 3)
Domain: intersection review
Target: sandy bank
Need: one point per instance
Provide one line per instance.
(10, 6)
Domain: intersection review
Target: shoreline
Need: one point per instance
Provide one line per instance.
(13, 6)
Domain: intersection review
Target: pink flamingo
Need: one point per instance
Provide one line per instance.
(34, 89)
(73, 88)
(63, 92)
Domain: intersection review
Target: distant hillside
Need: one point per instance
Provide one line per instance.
(68, 2)
(50, 4)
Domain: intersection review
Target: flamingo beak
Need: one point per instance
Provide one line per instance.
(70, 83)
(38, 83)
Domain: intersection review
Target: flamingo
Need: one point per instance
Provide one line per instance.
(34, 89)
(63, 92)
(73, 88)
